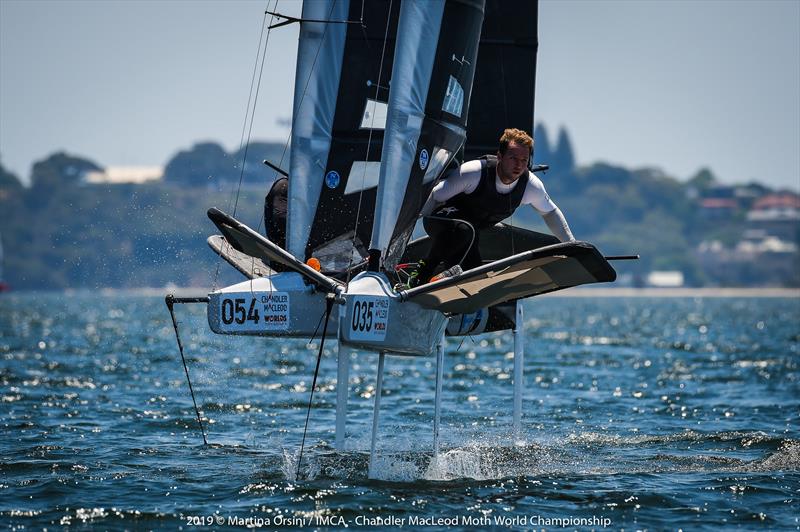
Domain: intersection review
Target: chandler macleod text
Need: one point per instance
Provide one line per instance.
(484, 520)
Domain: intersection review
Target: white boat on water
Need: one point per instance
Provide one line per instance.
(388, 96)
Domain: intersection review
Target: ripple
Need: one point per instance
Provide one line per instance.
(657, 413)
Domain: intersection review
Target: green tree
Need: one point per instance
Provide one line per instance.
(542, 151)
(255, 171)
(9, 183)
(60, 169)
(702, 180)
(564, 157)
(203, 164)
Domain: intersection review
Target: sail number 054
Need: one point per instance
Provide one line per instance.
(234, 310)
(254, 311)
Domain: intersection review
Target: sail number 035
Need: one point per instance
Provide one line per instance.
(363, 315)
(370, 316)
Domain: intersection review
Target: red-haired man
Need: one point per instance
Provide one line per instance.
(482, 193)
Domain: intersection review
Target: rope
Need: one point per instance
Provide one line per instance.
(329, 307)
(454, 222)
(252, 112)
(244, 126)
(170, 301)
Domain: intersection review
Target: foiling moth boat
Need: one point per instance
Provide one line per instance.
(388, 96)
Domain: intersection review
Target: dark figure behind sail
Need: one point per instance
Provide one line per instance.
(275, 208)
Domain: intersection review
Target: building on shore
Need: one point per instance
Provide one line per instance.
(118, 175)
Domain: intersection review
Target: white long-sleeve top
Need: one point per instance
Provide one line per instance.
(465, 179)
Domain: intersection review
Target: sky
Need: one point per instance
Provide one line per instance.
(669, 84)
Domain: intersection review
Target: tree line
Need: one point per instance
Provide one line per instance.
(62, 232)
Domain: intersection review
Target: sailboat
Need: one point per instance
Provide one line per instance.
(388, 95)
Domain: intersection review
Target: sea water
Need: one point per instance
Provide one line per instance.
(639, 413)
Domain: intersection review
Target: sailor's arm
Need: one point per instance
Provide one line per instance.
(537, 197)
(431, 204)
(464, 180)
(558, 225)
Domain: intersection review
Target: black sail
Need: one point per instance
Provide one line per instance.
(432, 78)
(503, 91)
(341, 90)
(467, 71)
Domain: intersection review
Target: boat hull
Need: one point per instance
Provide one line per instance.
(279, 305)
(374, 318)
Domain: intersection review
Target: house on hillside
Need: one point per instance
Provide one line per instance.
(778, 215)
(724, 202)
(758, 259)
(719, 202)
(718, 208)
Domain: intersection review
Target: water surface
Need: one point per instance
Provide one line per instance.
(638, 414)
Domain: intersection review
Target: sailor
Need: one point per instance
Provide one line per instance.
(275, 210)
(479, 194)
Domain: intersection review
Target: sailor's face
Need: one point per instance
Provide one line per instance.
(514, 162)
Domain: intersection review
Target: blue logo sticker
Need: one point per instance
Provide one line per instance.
(332, 179)
(423, 159)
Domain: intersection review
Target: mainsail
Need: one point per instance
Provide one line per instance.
(353, 137)
(341, 92)
(505, 78)
(427, 117)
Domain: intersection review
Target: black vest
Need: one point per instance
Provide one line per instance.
(485, 206)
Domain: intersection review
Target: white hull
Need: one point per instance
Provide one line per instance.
(279, 305)
(375, 319)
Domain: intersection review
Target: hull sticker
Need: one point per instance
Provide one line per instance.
(252, 312)
(369, 318)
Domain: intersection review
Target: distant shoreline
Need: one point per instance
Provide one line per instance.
(577, 292)
(677, 292)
